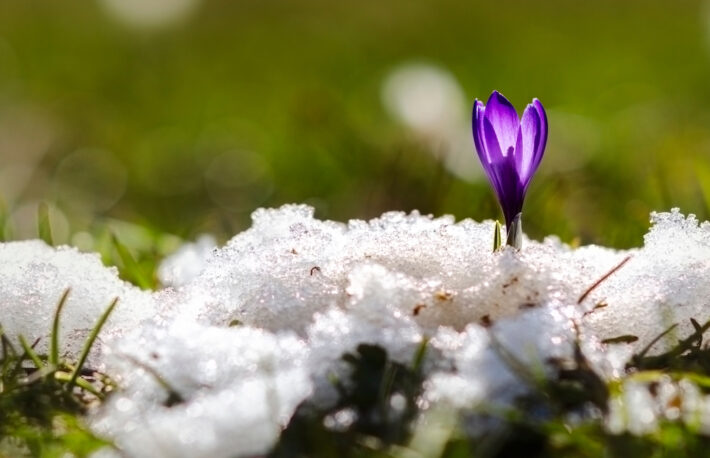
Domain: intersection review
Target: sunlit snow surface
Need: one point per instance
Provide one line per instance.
(187, 262)
(259, 325)
(33, 277)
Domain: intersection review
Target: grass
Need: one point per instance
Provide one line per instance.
(131, 270)
(563, 415)
(202, 133)
(42, 396)
(375, 409)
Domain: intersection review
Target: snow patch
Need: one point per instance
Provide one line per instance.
(249, 330)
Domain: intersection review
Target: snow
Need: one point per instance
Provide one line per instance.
(246, 332)
(237, 387)
(33, 278)
(663, 284)
(187, 262)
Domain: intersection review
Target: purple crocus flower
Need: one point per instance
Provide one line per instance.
(510, 150)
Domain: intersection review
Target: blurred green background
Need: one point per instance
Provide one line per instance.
(183, 116)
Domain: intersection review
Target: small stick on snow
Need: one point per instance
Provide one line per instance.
(604, 277)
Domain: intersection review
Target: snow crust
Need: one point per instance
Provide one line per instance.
(249, 330)
(193, 390)
(33, 278)
(187, 262)
(666, 282)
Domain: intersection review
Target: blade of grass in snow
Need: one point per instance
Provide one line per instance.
(174, 397)
(54, 343)
(419, 355)
(30, 352)
(90, 342)
(602, 279)
(497, 237)
(80, 382)
(650, 345)
(8, 349)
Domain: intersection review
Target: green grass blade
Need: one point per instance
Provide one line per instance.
(80, 382)
(54, 342)
(37, 375)
(44, 227)
(8, 356)
(497, 237)
(30, 352)
(420, 354)
(90, 342)
(8, 350)
(130, 266)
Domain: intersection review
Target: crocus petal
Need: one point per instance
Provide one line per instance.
(543, 133)
(504, 119)
(478, 111)
(491, 143)
(527, 144)
(508, 188)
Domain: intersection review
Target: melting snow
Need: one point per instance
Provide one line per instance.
(187, 262)
(33, 277)
(248, 331)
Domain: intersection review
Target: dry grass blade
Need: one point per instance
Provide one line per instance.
(174, 397)
(602, 279)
